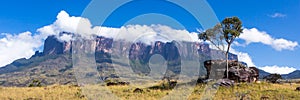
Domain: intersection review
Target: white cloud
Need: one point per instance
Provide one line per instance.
(244, 57)
(13, 47)
(150, 34)
(255, 36)
(66, 37)
(67, 23)
(278, 69)
(277, 15)
(83, 27)
(270, 69)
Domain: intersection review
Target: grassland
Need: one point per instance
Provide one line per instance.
(255, 91)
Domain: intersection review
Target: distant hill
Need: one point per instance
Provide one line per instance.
(263, 73)
(293, 75)
(49, 69)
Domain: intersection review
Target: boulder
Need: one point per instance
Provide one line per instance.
(298, 89)
(238, 71)
(224, 82)
(138, 90)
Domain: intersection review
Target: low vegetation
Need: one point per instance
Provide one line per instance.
(244, 91)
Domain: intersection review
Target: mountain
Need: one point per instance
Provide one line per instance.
(293, 75)
(54, 64)
(262, 73)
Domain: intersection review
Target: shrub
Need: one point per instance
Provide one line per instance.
(35, 83)
(273, 78)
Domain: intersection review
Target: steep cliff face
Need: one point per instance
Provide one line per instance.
(104, 47)
(53, 46)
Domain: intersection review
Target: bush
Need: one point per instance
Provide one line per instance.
(273, 78)
(35, 83)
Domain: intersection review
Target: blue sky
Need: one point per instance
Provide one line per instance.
(279, 19)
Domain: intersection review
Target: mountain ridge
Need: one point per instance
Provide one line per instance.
(54, 64)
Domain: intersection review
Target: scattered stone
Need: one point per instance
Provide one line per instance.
(264, 98)
(172, 84)
(117, 83)
(138, 90)
(111, 84)
(33, 99)
(225, 82)
(298, 89)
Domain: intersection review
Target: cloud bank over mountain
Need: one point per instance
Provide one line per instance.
(23, 45)
(82, 26)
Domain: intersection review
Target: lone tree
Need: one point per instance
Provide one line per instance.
(227, 32)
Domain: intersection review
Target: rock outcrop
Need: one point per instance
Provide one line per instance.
(237, 71)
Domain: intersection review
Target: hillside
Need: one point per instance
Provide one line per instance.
(293, 75)
(50, 69)
(263, 73)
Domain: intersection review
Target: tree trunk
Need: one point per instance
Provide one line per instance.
(227, 65)
(227, 52)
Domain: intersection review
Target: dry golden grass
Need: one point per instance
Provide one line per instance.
(66, 92)
(257, 91)
(54, 92)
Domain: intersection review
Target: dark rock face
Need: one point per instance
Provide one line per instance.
(103, 50)
(140, 53)
(104, 44)
(54, 46)
(216, 68)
